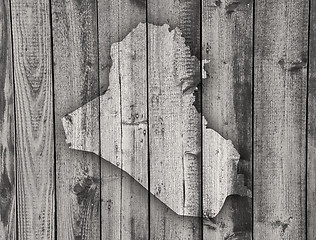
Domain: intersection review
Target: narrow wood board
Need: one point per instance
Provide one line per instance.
(281, 50)
(34, 119)
(227, 44)
(75, 51)
(164, 122)
(111, 193)
(227, 90)
(132, 74)
(124, 201)
(311, 129)
(7, 129)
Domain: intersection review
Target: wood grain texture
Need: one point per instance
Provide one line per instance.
(34, 119)
(111, 183)
(227, 90)
(311, 129)
(75, 50)
(7, 129)
(175, 134)
(124, 201)
(281, 33)
(184, 14)
(123, 116)
(134, 122)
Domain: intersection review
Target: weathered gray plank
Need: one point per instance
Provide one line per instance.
(281, 33)
(34, 119)
(232, 222)
(227, 91)
(133, 83)
(125, 202)
(311, 129)
(111, 182)
(168, 116)
(7, 129)
(76, 82)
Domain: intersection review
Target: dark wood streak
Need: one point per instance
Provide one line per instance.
(87, 19)
(311, 129)
(227, 94)
(76, 82)
(281, 41)
(139, 3)
(229, 48)
(236, 217)
(3, 52)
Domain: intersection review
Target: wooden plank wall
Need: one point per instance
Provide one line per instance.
(259, 92)
(7, 129)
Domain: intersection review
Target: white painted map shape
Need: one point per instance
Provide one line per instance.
(174, 125)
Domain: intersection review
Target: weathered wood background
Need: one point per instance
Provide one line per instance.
(261, 94)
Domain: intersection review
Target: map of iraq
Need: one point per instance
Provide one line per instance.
(148, 121)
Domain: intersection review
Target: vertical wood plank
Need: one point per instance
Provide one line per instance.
(227, 91)
(311, 129)
(281, 33)
(111, 176)
(7, 129)
(124, 201)
(168, 120)
(34, 119)
(227, 49)
(75, 45)
(133, 83)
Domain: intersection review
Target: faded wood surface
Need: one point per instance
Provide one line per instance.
(132, 73)
(111, 183)
(126, 124)
(7, 129)
(281, 33)
(34, 119)
(75, 51)
(174, 124)
(125, 202)
(311, 129)
(227, 90)
(97, 51)
(227, 93)
(185, 15)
